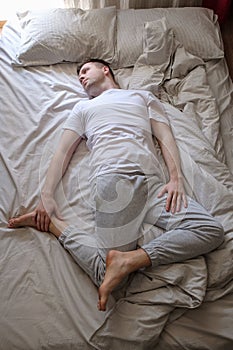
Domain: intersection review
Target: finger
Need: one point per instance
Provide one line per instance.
(173, 203)
(42, 222)
(162, 192)
(38, 220)
(178, 203)
(46, 223)
(185, 201)
(169, 202)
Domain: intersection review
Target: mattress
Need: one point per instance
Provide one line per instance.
(47, 301)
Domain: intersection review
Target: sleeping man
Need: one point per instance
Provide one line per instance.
(128, 187)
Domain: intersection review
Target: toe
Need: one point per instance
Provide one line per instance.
(11, 223)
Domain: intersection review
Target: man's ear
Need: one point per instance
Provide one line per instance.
(105, 70)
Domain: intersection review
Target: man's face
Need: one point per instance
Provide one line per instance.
(91, 75)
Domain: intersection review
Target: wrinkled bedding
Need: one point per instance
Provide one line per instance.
(47, 301)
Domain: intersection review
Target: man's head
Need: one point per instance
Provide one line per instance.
(96, 76)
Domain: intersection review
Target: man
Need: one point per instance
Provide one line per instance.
(128, 187)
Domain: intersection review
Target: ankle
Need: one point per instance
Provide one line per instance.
(140, 258)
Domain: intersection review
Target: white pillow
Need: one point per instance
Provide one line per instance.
(195, 28)
(66, 35)
(163, 58)
(158, 47)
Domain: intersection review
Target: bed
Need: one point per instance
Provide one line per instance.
(47, 301)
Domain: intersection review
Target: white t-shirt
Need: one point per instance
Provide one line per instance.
(116, 125)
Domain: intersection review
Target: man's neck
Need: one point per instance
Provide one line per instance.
(96, 91)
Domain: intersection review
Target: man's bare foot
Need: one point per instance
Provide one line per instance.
(118, 266)
(28, 219)
(56, 226)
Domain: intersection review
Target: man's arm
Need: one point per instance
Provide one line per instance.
(58, 165)
(174, 188)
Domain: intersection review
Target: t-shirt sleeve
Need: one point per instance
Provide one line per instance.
(156, 109)
(74, 122)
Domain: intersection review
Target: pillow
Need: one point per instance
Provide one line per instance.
(66, 35)
(163, 58)
(158, 46)
(194, 27)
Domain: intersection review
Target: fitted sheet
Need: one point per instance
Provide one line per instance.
(47, 301)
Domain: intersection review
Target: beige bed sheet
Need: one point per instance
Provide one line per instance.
(47, 302)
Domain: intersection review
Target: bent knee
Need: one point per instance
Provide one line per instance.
(217, 233)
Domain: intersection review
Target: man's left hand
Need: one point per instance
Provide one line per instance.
(175, 195)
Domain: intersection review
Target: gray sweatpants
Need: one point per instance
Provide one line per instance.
(121, 203)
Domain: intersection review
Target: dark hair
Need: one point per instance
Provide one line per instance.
(98, 61)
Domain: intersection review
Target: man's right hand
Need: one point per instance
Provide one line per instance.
(44, 211)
